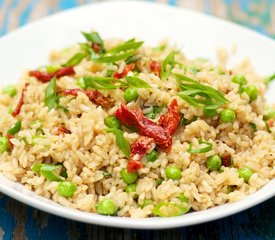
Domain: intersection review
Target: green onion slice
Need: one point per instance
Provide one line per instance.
(122, 143)
(133, 59)
(137, 82)
(103, 83)
(166, 209)
(269, 79)
(113, 58)
(129, 45)
(49, 171)
(50, 94)
(94, 37)
(167, 65)
(75, 60)
(204, 149)
(15, 129)
(199, 95)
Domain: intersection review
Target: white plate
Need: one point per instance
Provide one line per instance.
(195, 33)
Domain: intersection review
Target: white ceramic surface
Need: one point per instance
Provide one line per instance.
(196, 34)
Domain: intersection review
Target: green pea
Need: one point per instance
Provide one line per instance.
(239, 79)
(152, 156)
(128, 177)
(66, 189)
(81, 83)
(112, 122)
(131, 188)
(173, 172)
(213, 162)
(4, 144)
(146, 202)
(106, 207)
(227, 115)
(10, 90)
(245, 173)
(130, 94)
(209, 112)
(270, 115)
(252, 92)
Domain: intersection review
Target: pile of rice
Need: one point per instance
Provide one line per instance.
(89, 151)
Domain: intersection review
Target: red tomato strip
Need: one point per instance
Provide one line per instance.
(95, 96)
(46, 77)
(155, 67)
(144, 126)
(171, 120)
(21, 101)
(125, 71)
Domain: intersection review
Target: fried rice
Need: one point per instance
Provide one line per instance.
(69, 131)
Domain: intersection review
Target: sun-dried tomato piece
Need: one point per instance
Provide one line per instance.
(226, 160)
(72, 92)
(142, 145)
(9, 136)
(65, 71)
(46, 77)
(94, 96)
(41, 76)
(21, 101)
(144, 126)
(134, 166)
(63, 130)
(138, 149)
(155, 67)
(171, 120)
(125, 71)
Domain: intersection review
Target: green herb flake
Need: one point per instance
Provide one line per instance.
(253, 126)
